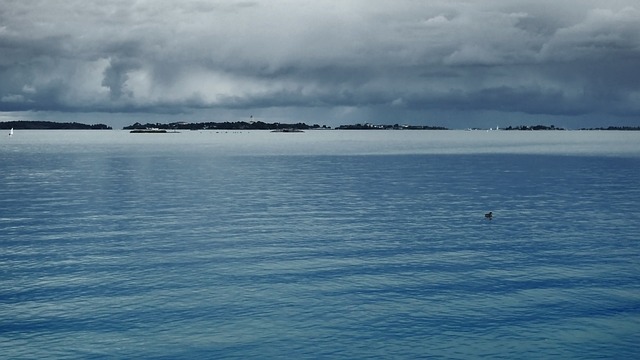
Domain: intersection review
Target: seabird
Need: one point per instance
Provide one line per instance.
(489, 215)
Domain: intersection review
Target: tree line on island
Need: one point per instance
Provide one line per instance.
(260, 125)
(389, 127)
(534, 128)
(553, 127)
(238, 125)
(50, 125)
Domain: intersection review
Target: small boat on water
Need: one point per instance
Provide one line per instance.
(11, 132)
(148, 131)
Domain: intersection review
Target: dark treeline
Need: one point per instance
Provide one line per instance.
(50, 125)
(552, 127)
(389, 127)
(626, 128)
(259, 125)
(534, 127)
(238, 125)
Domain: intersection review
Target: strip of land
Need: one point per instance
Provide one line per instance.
(50, 125)
(259, 125)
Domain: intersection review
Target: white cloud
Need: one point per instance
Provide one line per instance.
(28, 89)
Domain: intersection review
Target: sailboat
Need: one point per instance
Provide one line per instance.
(11, 132)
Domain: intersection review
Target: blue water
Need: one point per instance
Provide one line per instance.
(319, 245)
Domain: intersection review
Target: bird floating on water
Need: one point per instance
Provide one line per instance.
(488, 215)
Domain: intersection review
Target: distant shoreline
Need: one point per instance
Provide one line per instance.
(50, 125)
(259, 125)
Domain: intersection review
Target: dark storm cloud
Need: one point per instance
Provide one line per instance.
(537, 57)
(116, 77)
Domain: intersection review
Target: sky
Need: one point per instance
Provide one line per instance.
(453, 63)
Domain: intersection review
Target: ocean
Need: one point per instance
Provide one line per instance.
(322, 244)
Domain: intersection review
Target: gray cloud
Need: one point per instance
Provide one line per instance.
(116, 78)
(568, 58)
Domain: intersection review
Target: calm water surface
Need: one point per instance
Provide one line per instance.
(328, 244)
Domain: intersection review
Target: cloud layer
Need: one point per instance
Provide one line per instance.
(544, 57)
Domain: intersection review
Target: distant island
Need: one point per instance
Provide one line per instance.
(298, 127)
(617, 128)
(50, 125)
(259, 125)
(534, 127)
(552, 127)
(238, 125)
(388, 127)
(278, 127)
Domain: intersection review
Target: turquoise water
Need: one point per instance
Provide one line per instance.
(328, 244)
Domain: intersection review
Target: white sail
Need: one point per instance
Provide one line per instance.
(11, 132)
